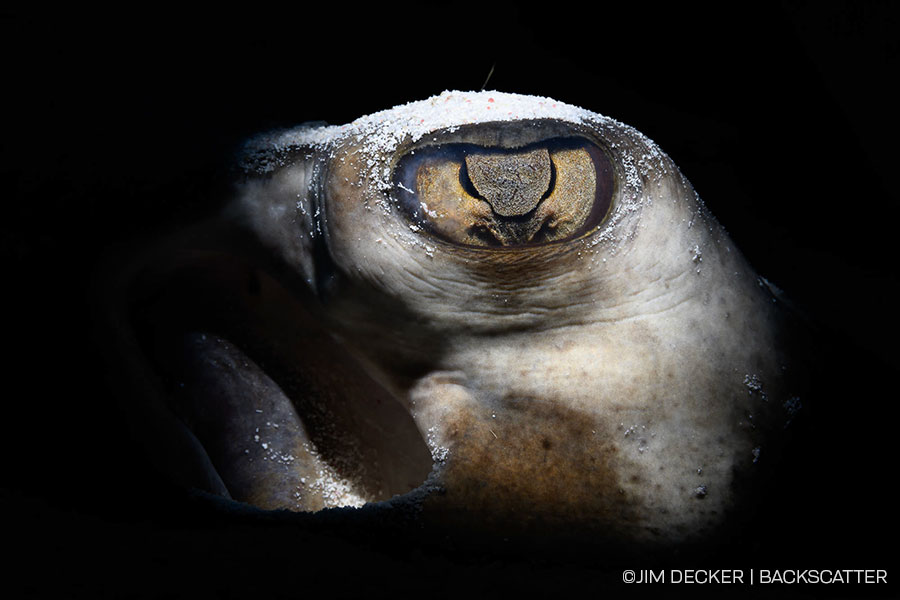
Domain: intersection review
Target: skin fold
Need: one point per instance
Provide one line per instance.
(630, 381)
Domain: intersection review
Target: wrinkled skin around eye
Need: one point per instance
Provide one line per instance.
(382, 316)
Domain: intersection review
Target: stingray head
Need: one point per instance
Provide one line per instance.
(501, 309)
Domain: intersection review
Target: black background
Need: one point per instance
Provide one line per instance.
(117, 124)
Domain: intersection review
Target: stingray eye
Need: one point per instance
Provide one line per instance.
(550, 191)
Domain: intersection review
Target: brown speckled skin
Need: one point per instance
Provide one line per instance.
(607, 383)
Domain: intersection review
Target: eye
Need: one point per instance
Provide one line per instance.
(546, 192)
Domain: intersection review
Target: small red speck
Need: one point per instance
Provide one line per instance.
(554, 105)
(490, 99)
(422, 121)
